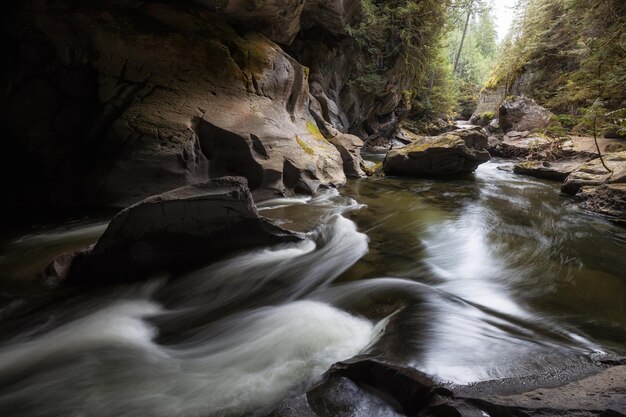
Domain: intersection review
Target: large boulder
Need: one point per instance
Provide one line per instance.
(173, 232)
(456, 153)
(523, 114)
(594, 173)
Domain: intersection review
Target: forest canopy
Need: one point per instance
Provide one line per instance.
(566, 54)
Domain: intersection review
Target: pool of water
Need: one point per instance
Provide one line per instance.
(490, 276)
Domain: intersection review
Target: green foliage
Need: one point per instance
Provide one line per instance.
(568, 121)
(444, 92)
(566, 53)
(487, 117)
(437, 96)
(478, 54)
(616, 122)
(396, 35)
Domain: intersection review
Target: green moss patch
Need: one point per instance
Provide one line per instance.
(313, 130)
(304, 146)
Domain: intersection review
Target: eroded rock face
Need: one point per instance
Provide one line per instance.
(133, 99)
(332, 58)
(173, 232)
(281, 20)
(523, 114)
(455, 153)
(593, 173)
(349, 147)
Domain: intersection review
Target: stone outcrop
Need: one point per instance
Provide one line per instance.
(349, 147)
(593, 173)
(139, 99)
(549, 170)
(523, 114)
(521, 144)
(171, 233)
(456, 153)
(394, 391)
(345, 105)
(282, 20)
(136, 98)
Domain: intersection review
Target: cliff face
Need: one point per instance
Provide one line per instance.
(105, 103)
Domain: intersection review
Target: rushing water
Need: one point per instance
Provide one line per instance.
(490, 276)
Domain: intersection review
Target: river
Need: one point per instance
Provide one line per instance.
(491, 276)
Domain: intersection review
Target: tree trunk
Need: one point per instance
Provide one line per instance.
(458, 54)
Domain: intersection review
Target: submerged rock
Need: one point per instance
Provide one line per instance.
(594, 173)
(456, 153)
(523, 114)
(172, 233)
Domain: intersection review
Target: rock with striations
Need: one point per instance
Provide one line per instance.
(137, 100)
(594, 173)
(608, 199)
(523, 114)
(173, 232)
(456, 153)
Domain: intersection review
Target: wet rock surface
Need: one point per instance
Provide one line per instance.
(367, 387)
(456, 153)
(171, 233)
(156, 96)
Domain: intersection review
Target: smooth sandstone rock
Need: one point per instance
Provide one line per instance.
(141, 101)
(349, 147)
(455, 153)
(174, 232)
(549, 170)
(593, 173)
